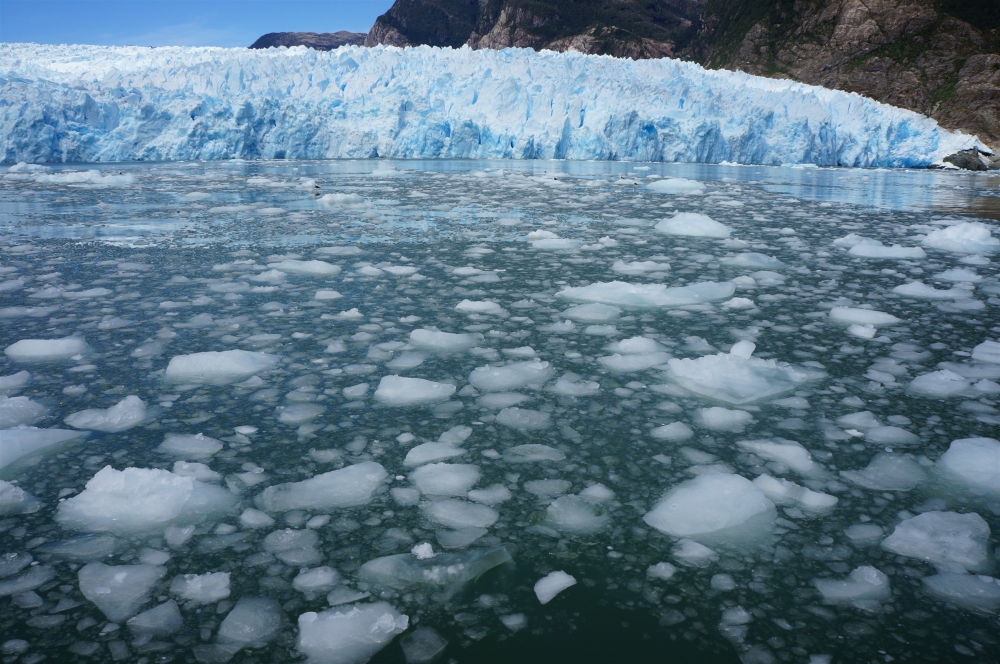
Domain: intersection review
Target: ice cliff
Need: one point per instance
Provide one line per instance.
(91, 103)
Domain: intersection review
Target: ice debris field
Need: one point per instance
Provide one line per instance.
(286, 411)
(91, 103)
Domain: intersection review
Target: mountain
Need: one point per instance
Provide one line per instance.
(321, 41)
(938, 57)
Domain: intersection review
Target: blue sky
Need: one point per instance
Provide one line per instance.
(178, 22)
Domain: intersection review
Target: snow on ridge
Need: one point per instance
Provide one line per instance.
(96, 103)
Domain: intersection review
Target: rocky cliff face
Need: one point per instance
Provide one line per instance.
(321, 41)
(938, 57)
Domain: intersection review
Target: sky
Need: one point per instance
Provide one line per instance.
(178, 22)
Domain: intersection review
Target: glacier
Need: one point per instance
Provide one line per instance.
(106, 104)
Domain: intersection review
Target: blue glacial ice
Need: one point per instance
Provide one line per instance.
(101, 104)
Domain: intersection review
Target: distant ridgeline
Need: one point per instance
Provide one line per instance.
(321, 41)
(937, 57)
(95, 103)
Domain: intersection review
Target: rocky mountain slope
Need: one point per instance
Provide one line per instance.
(321, 41)
(938, 57)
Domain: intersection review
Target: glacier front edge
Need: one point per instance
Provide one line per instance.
(101, 104)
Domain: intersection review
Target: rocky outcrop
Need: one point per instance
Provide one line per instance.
(321, 41)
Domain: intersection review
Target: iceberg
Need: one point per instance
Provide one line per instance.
(110, 104)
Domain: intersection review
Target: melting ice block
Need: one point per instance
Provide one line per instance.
(644, 296)
(348, 487)
(887, 472)
(19, 411)
(712, 505)
(939, 384)
(976, 592)
(15, 500)
(972, 464)
(15, 382)
(454, 513)
(188, 446)
(547, 587)
(863, 584)
(253, 622)
(921, 291)
(949, 540)
(201, 588)
(786, 452)
(161, 620)
(852, 316)
(218, 367)
(400, 391)
(434, 339)
(523, 419)
(592, 313)
(509, 377)
(676, 186)
(29, 351)
(351, 635)
(988, 351)
(692, 224)
(783, 492)
(128, 413)
(429, 452)
(119, 591)
(445, 479)
(444, 572)
(736, 377)
(753, 260)
(139, 500)
(577, 514)
(970, 237)
(308, 268)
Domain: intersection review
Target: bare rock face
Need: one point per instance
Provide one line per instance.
(321, 41)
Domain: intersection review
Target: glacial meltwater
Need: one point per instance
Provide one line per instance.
(519, 411)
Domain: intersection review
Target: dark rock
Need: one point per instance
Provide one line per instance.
(321, 41)
(967, 159)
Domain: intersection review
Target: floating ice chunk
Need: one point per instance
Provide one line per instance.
(309, 268)
(739, 303)
(557, 244)
(577, 514)
(635, 345)
(251, 518)
(32, 351)
(444, 342)
(455, 435)
(139, 500)
(863, 584)
(119, 591)
(862, 331)
(16, 382)
(633, 361)
(218, 367)
(970, 237)
(454, 513)
(162, 620)
(713, 504)
(428, 452)
(35, 577)
(969, 591)
(348, 487)
(19, 411)
(736, 379)
(875, 249)
(400, 391)
(674, 432)
(294, 547)
(692, 224)
(350, 314)
(126, 414)
(422, 645)
(891, 436)
(523, 419)
(445, 479)
(717, 418)
(481, 307)
(783, 492)
(253, 622)
(93, 177)
(661, 571)
(533, 373)
(921, 291)
(692, 554)
(532, 452)
(638, 267)
(349, 636)
(753, 260)
(959, 274)
(648, 295)
(864, 533)
(299, 413)
(201, 588)
(575, 388)
(515, 621)
(988, 351)
(852, 316)
(887, 472)
(316, 581)
(863, 420)
(676, 186)
(326, 295)
(499, 400)
(339, 200)
(491, 495)
(939, 384)
(592, 313)
(22, 445)
(446, 573)
(15, 500)
(550, 585)
(949, 540)
(972, 464)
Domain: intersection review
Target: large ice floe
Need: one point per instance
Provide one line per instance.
(714, 506)
(737, 377)
(90, 103)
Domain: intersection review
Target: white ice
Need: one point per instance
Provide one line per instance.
(444, 342)
(445, 479)
(550, 585)
(713, 504)
(32, 351)
(15, 500)
(347, 487)
(976, 592)
(676, 186)
(921, 291)
(969, 237)
(972, 464)
(592, 313)
(128, 413)
(887, 472)
(201, 588)
(951, 541)
(512, 376)
(351, 635)
(454, 513)
(850, 315)
(308, 268)
(23, 444)
(863, 584)
(939, 384)
(119, 591)
(692, 224)
(783, 492)
(19, 411)
(401, 391)
(643, 296)
(218, 367)
(718, 418)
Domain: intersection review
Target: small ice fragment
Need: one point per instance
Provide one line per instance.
(552, 584)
